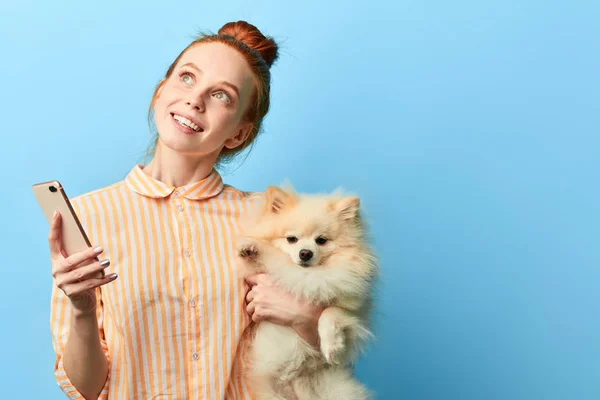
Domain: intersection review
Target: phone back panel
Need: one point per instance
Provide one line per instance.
(51, 197)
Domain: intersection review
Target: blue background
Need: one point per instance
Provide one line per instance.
(469, 128)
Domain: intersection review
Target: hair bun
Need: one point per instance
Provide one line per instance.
(252, 37)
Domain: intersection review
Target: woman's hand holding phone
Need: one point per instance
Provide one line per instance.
(77, 275)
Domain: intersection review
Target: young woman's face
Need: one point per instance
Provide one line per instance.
(200, 108)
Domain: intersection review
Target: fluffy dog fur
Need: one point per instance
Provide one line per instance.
(314, 246)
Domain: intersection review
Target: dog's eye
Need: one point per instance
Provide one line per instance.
(321, 240)
(292, 239)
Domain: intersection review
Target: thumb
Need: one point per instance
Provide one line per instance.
(253, 280)
(55, 236)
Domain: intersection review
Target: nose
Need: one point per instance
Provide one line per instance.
(196, 98)
(305, 255)
(196, 103)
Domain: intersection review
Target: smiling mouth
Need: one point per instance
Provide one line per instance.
(186, 123)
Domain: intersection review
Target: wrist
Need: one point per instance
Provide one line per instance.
(306, 323)
(84, 305)
(84, 323)
(307, 329)
(83, 315)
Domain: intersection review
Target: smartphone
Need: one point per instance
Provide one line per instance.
(51, 197)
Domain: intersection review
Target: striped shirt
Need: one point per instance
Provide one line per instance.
(172, 325)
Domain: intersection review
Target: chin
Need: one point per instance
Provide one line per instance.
(315, 247)
(182, 145)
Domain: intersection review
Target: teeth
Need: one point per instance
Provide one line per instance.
(186, 122)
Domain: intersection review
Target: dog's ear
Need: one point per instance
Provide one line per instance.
(287, 186)
(347, 207)
(277, 200)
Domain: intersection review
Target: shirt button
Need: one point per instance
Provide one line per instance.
(186, 253)
(176, 193)
(179, 207)
(192, 303)
(195, 356)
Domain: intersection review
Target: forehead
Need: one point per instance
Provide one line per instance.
(219, 62)
(310, 217)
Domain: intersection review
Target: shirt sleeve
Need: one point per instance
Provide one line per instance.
(60, 317)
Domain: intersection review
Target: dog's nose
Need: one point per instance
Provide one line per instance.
(305, 255)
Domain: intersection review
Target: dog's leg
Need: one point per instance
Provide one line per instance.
(266, 388)
(333, 383)
(338, 330)
(248, 249)
(248, 257)
(337, 383)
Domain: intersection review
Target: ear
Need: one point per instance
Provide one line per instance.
(347, 208)
(158, 91)
(277, 200)
(339, 192)
(241, 135)
(287, 186)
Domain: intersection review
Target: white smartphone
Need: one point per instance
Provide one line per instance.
(51, 197)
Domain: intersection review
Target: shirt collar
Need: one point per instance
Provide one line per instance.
(144, 184)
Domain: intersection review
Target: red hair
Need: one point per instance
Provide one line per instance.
(260, 53)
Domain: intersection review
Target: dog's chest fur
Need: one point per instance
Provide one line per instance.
(280, 347)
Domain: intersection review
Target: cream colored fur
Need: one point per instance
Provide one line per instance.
(339, 275)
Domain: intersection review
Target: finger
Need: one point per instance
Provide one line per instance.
(84, 273)
(251, 280)
(250, 308)
(265, 279)
(88, 284)
(255, 279)
(84, 257)
(250, 296)
(54, 236)
(259, 314)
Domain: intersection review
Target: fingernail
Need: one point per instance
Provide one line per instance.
(112, 277)
(105, 263)
(55, 215)
(98, 250)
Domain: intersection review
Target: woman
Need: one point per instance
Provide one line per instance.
(168, 321)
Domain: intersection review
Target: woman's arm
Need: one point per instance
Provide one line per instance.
(76, 318)
(84, 360)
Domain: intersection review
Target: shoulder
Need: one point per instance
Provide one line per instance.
(242, 202)
(241, 195)
(98, 193)
(102, 197)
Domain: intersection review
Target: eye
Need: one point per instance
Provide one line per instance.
(222, 96)
(321, 240)
(292, 239)
(187, 78)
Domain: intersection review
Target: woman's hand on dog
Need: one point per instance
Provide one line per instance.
(265, 301)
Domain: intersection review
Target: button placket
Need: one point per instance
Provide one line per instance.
(179, 200)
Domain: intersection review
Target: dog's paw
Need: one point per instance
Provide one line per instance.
(333, 343)
(247, 249)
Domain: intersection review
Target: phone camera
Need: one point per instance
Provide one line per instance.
(52, 189)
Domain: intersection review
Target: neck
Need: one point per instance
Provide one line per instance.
(176, 169)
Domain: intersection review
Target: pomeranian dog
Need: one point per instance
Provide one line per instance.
(314, 246)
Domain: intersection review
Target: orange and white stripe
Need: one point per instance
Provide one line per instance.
(172, 325)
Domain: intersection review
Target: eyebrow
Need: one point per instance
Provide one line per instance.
(226, 83)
